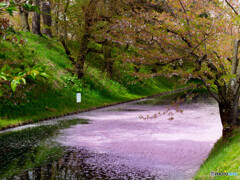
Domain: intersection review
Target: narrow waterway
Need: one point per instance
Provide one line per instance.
(117, 142)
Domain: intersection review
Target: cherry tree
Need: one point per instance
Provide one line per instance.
(189, 39)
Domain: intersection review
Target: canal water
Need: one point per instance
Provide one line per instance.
(145, 139)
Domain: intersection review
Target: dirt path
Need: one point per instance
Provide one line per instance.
(167, 149)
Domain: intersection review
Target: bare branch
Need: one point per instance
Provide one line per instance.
(229, 59)
(181, 36)
(204, 39)
(231, 7)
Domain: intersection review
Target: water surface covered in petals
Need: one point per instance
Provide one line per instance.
(119, 143)
(172, 149)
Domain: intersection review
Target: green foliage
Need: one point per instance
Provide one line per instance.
(16, 75)
(30, 7)
(11, 7)
(72, 83)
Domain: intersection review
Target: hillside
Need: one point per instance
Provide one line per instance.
(55, 94)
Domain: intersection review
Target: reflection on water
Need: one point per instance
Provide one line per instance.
(197, 97)
(79, 164)
(31, 147)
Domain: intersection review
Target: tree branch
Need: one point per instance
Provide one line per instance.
(189, 34)
(126, 48)
(205, 38)
(94, 50)
(209, 89)
(67, 51)
(231, 7)
(221, 64)
(181, 36)
(229, 59)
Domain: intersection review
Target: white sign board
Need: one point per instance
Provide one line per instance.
(78, 97)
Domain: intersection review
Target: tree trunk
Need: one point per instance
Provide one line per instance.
(108, 64)
(229, 117)
(47, 18)
(24, 19)
(36, 28)
(57, 18)
(228, 95)
(89, 13)
(226, 118)
(82, 54)
(65, 21)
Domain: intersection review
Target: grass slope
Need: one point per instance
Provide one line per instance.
(58, 93)
(224, 158)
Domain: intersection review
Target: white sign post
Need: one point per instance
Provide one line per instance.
(78, 95)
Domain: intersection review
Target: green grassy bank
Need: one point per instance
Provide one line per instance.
(224, 158)
(56, 95)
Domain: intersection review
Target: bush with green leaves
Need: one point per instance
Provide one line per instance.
(10, 6)
(18, 69)
(72, 83)
(11, 77)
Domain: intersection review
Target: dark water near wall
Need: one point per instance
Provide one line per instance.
(28, 148)
(113, 143)
(73, 165)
